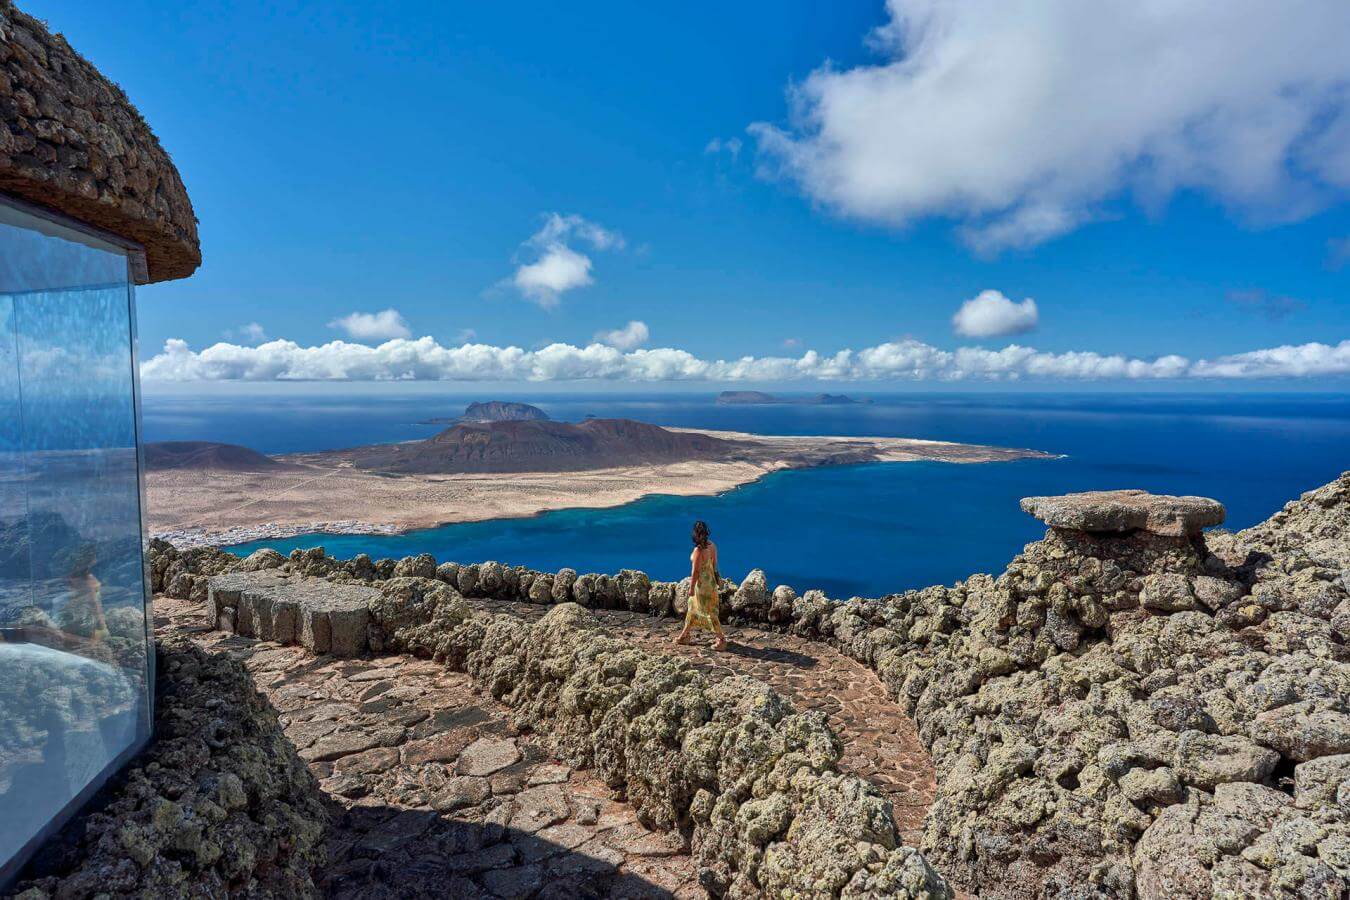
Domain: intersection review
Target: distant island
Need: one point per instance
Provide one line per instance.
(757, 398)
(201, 492)
(539, 445)
(493, 411)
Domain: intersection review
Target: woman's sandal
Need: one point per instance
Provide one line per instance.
(721, 644)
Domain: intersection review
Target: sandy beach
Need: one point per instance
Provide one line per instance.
(322, 492)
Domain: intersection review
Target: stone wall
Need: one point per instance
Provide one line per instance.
(1095, 712)
(71, 141)
(219, 803)
(755, 784)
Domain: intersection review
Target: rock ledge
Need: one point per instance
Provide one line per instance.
(1121, 511)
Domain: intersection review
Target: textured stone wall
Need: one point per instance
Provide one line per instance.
(218, 805)
(1113, 715)
(756, 784)
(71, 141)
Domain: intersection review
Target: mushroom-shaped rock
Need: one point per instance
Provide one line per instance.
(1120, 511)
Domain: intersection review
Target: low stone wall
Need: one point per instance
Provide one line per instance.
(218, 805)
(755, 784)
(1092, 711)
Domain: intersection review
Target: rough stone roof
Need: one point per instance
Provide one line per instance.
(71, 141)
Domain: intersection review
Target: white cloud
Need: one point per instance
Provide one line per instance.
(991, 315)
(1296, 361)
(403, 359)
(383, 325)
(559, 269)
(555, 267)
(252, 332)
(560, 229)
(1022, 121)
(731, 146)
(634, 334)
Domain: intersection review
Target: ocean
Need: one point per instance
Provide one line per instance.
(864, 530)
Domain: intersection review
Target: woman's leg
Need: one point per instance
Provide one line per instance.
(721, 636)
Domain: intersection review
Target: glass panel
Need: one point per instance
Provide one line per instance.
(73, 648)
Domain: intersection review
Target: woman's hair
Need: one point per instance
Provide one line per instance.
(700, 533)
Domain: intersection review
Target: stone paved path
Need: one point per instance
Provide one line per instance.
(880, 743)
(433, 792)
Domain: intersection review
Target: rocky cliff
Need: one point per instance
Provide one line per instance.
(1132, 708)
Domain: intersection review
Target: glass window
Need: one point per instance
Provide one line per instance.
(74, 648)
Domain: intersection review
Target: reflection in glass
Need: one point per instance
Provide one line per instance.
(74, 696)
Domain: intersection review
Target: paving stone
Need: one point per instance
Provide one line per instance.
(549, 773)
(460, 792)
(539, 807)
(498, 856)
(487, 755)
(337, 745)
(514, 883)
(443, 747)
(588, 859)
(368, 762)
(406, 826)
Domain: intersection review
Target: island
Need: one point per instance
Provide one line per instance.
(474, 471)
(493, 411)
(759, 398)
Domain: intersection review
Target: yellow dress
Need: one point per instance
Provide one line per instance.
(703, 599)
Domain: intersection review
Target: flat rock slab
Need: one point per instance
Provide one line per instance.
(1120, 511)
(292, 609)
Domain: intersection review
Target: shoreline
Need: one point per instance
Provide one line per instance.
(190, 508)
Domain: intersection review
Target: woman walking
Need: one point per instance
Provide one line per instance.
(703, 582)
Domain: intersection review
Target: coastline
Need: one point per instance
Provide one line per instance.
(317, 495)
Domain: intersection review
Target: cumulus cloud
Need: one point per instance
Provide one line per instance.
(423, 359)
(1021, 122)
(991, 315)
(553, 266)
(634, 334)
(379, 326)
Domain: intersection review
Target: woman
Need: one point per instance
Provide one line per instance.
(703, 581)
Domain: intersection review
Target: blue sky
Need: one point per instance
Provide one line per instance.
(356, 157)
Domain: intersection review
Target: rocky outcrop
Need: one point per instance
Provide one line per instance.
(1133, 707)
(1122, 511)
(218, 805)
(71, 141)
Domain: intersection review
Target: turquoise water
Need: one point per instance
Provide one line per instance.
(858, 530)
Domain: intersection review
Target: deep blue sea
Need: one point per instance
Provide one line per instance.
(851, 531)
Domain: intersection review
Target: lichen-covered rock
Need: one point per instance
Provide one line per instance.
(635, 587)
(266, 558)
(420, 566)
(562, 585)
(751, 599)
(218, 805)
(1244, 840)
